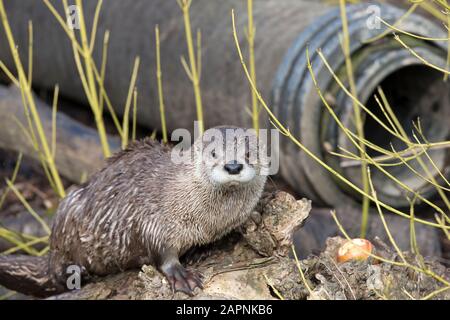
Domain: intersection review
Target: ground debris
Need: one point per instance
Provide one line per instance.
(255, 262)
(371, 279)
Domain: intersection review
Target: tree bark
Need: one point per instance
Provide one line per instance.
(244, 265)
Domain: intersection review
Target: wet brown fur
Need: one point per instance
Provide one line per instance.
(139, 205)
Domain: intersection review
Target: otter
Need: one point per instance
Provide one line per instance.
(148, 207)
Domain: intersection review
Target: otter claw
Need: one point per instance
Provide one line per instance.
(183, 280)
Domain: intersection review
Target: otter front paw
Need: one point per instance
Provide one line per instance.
(182, 279)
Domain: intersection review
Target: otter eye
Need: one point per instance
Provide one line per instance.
(213, 154)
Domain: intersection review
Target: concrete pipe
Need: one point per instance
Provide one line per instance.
(413, 89)
(284, 29)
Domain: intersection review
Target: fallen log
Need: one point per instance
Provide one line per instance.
(254, 263)
(77, 145)
(244, 265)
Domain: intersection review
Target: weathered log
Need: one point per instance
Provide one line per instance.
(241, 266)
(77, 146)
(254, 260)
(254, 264)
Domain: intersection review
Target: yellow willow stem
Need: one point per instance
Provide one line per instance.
(15, 239)
(94, 25)
(54, 110)
(251, 30)
(64, 24)
(103, 69)
(12, 179)
(133, 134)
(393, 262)
(431, 9)
(447, 62)
(396, 23)
(423, 60)
(160, 88)
(26, 91)
(299, 267)
(28, 207)
(194, 68)
(419, 159)
(103, 93)
(357, 117)
(412, 35)
(352, 139)
(277, 293)
(283, 130)
(92, 85)
(30, 53)
(383, 220)
(351, 136)
(436, 292)
(126, 113)
(28, 244)
(9, 74)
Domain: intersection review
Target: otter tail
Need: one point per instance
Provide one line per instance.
(27, 274)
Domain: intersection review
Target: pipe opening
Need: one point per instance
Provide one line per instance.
(413, 92)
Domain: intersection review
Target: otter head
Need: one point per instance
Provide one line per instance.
(230, 156)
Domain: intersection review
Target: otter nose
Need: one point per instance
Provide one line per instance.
(233, 167)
